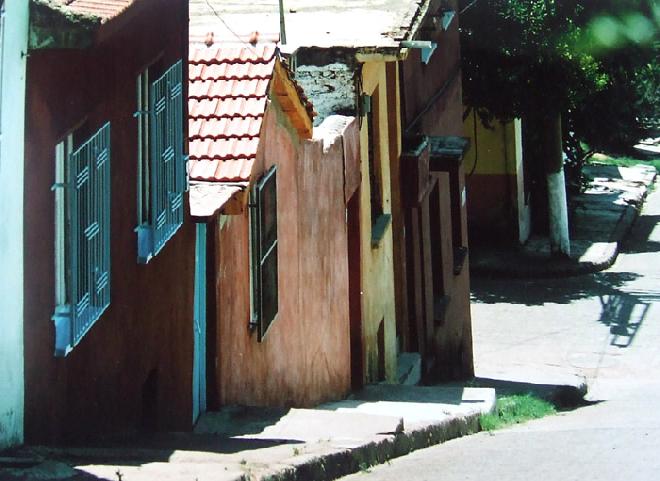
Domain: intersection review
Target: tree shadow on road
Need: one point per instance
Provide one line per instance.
(622, 310)
(537, 292)
(624, 313)
(639, 240)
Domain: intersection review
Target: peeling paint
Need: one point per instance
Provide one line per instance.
(332, 88)
(52, 26)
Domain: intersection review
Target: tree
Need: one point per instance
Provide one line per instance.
(540, 60)
(623, 37)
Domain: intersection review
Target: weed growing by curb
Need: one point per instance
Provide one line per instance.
(515, 409)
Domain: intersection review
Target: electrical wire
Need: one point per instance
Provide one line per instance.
(238, 37)
(467, 7)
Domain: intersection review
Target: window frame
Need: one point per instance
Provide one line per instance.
(82, 261)
(162, 177)
(259, 320)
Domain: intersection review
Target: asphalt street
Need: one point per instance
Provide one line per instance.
(604, 327)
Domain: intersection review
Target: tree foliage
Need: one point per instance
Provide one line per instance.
(595, 62)
(519, 57)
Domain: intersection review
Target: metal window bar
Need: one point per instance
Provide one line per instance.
(89, 214)
(168, 173)
(264, 295)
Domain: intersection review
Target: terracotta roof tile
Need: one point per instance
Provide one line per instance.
(221, 88)
(228, 89)
(238, 107)
(224, 127)
(103, 9)
(225, 148)
(235, 170)
(227, 71)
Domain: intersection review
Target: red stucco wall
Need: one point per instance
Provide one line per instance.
(440, 78)
(305, 355)
(97, 388)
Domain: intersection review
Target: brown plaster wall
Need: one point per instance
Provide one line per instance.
(305, 356)
(452, 343)
(97, 389)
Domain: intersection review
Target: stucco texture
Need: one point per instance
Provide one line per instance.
(496, 203)
(12, 70)
(432, 105)
(103, 386)
(304, 357)
(378, 302)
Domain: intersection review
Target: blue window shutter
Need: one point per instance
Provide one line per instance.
(89, 231)
(168, 176)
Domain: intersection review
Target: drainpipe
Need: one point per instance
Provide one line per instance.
(282, 26)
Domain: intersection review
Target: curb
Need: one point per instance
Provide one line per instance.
(533, 267)
(349, 461)
(547, 270)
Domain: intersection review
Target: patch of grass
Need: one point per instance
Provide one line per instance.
(624, 161)
(515, 409)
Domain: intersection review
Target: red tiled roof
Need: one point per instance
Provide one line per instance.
(103, 9)
(228, 88)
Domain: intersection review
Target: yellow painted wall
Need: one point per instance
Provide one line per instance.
(497, 147)
(377, 263)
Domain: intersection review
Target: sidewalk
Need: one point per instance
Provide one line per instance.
(379, 423)
(600, 218)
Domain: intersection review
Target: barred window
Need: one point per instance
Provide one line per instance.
(161, 162)
(82, 236)
(263, 253)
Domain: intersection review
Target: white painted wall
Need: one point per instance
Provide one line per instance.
(12, 119)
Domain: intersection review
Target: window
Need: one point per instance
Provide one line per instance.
(263, 253)
(379, 220)
(161, 163)
(82, 236)
(375, 184)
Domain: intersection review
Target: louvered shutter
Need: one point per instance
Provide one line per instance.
(168, 176)
(89, 224)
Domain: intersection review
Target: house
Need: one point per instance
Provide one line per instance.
(13, 45)
(270, 193)
(109, 248)
(431, 203)
(358, 68)
(499, 206)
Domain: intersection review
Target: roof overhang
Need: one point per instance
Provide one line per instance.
(209, 199)
(289, 97)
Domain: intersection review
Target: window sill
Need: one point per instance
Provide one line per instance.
(379, 228)
(62, 319)
(145, 241)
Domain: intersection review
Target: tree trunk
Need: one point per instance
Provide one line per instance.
(554, 171)
(544, 162)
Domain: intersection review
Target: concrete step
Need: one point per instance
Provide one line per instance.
(409, 368)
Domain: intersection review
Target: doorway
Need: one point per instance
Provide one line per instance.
(355, 290)
(199, 325)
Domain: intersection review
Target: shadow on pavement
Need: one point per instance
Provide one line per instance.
(563, 397)
(537, 292)
(639, 240)
(624, 313)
